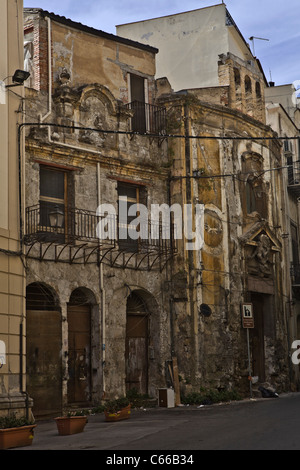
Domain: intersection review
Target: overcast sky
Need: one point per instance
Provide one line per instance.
(275, 20)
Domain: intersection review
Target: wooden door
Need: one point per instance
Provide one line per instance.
(257, 337)
(44, 369)
(137, 90)
(79, 354)
(136, 354)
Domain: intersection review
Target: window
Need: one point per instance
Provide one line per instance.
(129, 195)
(250, 198)
(53, 198)
(248, 86)
(257, 90)
(295, 244)
(138, 101)
(237, 77)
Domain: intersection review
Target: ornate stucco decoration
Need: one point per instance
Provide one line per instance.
(260, 245)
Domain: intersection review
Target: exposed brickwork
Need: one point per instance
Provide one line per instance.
(246, 86)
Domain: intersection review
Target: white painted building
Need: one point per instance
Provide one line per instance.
(190, 44)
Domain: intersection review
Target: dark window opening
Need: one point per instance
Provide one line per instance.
(250, 198)
(258, 90)
(237, 77)
(137, 93)
(53, 199)
(248, 86)
(129, 195)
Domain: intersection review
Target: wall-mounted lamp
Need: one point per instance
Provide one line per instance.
(19, 77)
(56, 218)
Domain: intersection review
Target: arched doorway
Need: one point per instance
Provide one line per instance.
(136, 352)
(79, 348)
(43, 350)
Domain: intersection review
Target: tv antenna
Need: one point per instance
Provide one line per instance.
(252, 39)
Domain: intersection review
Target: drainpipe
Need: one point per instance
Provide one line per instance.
(43, 118)
(102, 292)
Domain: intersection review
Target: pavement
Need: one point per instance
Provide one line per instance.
(142, 425)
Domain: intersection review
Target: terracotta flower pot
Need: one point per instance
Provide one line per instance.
(119, 415)
(70, 425)
(16, 437)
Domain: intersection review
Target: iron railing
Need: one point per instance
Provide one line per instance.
(293, 173)
(295, 274)
(147, 118)
(78, 224)
(83, 225)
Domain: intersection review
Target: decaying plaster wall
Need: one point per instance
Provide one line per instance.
(231, 269)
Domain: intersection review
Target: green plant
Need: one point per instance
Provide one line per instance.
(113, 406)
(98, 409)
(137, 399)
(210, 396)
(13, 422)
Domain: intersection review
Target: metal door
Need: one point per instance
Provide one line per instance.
(44, 370)
(79, 354)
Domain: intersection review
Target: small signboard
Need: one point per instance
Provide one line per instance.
(247, 316)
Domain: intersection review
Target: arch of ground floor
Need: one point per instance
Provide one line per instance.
(66, 355)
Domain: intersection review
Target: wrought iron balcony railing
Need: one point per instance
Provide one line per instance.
(295, 274)
(78, 224)
(294, 174)
(147, 118)
(83, 225)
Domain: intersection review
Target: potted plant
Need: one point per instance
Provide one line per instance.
(71, 423)
(15, 432)
(117, 410)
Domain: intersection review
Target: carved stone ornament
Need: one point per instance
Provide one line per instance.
(262, 254)
(259, 247)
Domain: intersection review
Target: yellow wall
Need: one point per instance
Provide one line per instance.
(12, 274)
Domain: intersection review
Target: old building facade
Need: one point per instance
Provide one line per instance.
(97, 310)
(106, 314)
(229, 160)
(12, 273)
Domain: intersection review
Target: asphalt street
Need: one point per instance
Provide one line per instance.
(263, 424)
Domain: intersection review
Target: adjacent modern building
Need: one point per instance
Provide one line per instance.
(282, 116)
(12, 270)
(190, 44)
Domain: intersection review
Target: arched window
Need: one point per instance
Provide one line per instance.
(248, 86)
(257, 90)
(237, 77)
(250, 198)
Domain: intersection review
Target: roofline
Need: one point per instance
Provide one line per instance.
(279, 105)
(167, 16)
(90, 30)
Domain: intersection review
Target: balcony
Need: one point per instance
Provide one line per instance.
(76, 225)
(295, 278)
(72, 237)
(295, 274)
(147, 118)
(294, 178)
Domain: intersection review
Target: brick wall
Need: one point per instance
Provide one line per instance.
(39, 28)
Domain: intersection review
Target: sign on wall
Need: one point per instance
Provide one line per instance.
(247, 315)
